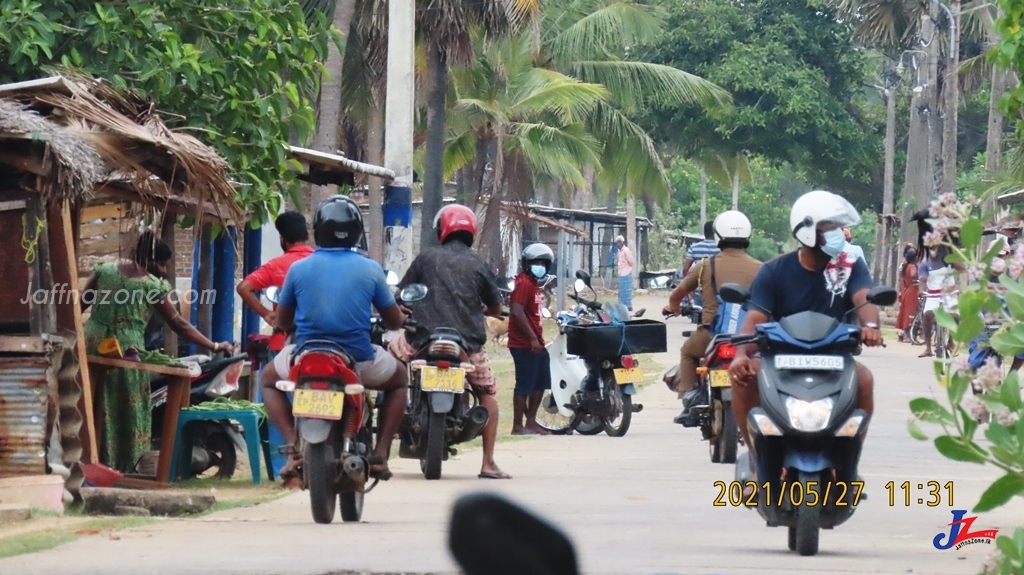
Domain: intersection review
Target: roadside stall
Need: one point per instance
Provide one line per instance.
(67, 144)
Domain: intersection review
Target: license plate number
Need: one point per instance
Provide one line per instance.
(318, 404)
(719, 378)
(438, 379)
(809, 362)
(627, 376)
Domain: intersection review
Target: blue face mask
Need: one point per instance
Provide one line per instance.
(834, 242)
(538, 271)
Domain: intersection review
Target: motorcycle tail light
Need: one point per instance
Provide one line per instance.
(726, 351)
(444, 364)
(319, 385)
(226, 382)
(444, 348)
(315, 364)
(628, 362)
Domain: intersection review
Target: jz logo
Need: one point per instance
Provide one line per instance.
(960, 533)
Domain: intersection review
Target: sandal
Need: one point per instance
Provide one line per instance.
(927, 354)
(291, 474)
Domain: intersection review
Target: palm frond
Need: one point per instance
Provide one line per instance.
(630, 82)
(611, 30)
(560, 152)
(459, 152)
(630, 157)
(547, 90)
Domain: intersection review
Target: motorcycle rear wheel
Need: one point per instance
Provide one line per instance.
(587, 424)
(625, 404)
(723, 447)
(319, 465)
(434, 456)
(549, 418)
(807, 517)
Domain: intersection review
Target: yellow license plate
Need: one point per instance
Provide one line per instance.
(438, 379)
(719, 378)
(631, 375)
(318, 404)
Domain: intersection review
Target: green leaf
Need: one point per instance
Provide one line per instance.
(953, 448)
(1010, 391)
(970, 234)
(1000, 492)
(970, 424)
(1009, 342)
(915, 431)
(958, 385)
(943, 318)
(927, 409)
(1007, 548)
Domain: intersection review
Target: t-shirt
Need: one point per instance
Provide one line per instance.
(272, 274)
(526, 292)
(733, 265)
(460, 285)
(626, 262)
(332, 291)
(702, 249)
(784, 287)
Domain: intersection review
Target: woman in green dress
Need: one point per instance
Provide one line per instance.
(123, 297)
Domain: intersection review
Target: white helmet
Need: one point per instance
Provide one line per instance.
(732, 225)
(818, 207)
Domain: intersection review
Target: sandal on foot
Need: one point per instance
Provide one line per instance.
(927, 354)
(494, 475)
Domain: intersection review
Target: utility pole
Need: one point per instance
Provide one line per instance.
(631, 231)
(994, 142)
(703, 195)
(883, 248)
(736, 183)
(951, 102)
(933, 116)
(398, 135)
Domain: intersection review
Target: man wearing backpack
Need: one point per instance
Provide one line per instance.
(732, 231)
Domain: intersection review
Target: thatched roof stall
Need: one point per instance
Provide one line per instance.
(68, 142)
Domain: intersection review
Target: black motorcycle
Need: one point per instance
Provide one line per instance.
(808, 433)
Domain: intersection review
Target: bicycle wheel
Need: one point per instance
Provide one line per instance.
(916, 330)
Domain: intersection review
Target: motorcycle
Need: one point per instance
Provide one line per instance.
(711, 401)
(214, 443)
(443, 408)
(606, 338)
(808, 431)
(334, 419)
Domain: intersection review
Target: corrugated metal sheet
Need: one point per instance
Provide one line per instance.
(24, 392)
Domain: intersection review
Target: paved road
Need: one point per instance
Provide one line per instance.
(640, 504)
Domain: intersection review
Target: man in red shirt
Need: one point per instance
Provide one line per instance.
(526, 340)
(291, 226)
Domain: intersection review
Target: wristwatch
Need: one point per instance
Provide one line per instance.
(871, 324)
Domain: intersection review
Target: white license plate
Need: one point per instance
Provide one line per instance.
(810, 362)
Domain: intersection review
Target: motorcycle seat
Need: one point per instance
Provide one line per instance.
(323, 345)
(446, 333)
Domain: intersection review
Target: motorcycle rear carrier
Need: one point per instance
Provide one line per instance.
(609, 340)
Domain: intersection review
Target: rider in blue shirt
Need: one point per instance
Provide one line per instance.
(328, 296)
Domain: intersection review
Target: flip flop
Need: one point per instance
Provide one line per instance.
(493, 475)
(927, 355)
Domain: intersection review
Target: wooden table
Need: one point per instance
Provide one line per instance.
(178, 388)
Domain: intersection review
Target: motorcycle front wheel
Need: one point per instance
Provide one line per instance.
(549, 418)
(351, 502)
(617, 426)
(723, 446)
(319, 466)
(804, 534)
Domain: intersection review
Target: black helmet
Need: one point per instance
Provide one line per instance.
(338, 223)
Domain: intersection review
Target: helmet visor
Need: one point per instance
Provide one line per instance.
(845, 215)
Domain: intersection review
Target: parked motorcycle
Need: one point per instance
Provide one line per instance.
(444, 410)
(214, 443)
(334, 419)
(606, 338)
(808, 430)
(711, 402)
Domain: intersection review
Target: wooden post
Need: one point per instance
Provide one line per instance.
(90, 424)
(167, 235)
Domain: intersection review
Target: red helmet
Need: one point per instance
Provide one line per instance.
(455, 218)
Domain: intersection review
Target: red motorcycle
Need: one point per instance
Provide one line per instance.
(334, 418)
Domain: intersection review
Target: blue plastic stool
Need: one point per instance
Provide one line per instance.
(255, 437)
(278, 458)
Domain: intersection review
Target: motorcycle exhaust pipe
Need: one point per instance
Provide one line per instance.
(354, 467)
(638, 407)
(473, 423)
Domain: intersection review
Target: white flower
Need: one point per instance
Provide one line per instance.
(989, 376)
(998, 265)
(960, 364)
(934, 239)
(1007, 418)
(976, 408)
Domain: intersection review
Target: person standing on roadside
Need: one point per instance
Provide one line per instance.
(526, 340)
(626, 266)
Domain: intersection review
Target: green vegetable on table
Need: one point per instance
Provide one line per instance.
(223, 403)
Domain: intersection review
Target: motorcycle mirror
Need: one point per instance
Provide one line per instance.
(579, 285)
(413, 293)
(490, 535)
(734, 293)
(392, 278)
(640, 312)
(545, 312)
(272, 293)
(882, 295)
(583, 275)
(511, 285)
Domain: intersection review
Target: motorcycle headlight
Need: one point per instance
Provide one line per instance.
(809, 415)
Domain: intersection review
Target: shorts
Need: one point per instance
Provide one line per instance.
(947, 302)
(533, 370)
(372, 373)
(481, 379)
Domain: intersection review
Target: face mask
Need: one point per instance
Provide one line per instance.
(538, 271)
(834, 242)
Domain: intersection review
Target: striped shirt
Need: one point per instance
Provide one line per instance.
(702, 249)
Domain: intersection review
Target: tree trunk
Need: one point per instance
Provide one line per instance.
(584, 199)
(883, 235)
(608, 235)
(433, 168)
(951, 102)
(375, 155)
(736, 184)
(329, 104)
(649, 205)
(631, 231)
(491, 231)
(703, 195)
(919, 184)
(994, 141)
(476, 183)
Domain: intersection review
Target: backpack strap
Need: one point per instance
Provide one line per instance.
(714, 283)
